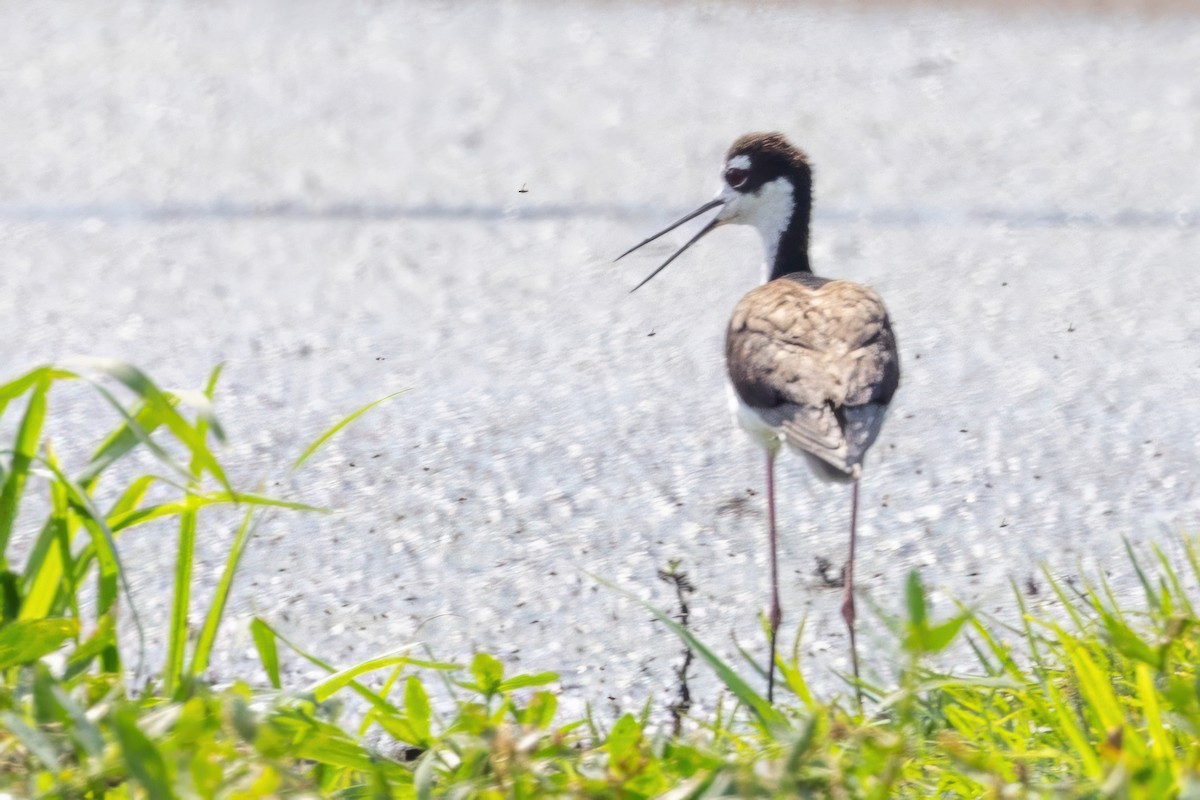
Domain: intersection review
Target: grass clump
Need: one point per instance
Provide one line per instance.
(1103, 701)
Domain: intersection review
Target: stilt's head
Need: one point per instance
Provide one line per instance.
(767, 183)
(766, 180)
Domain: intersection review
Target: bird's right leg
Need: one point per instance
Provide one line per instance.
(775, 615)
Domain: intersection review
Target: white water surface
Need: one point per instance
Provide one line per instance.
(325, 198)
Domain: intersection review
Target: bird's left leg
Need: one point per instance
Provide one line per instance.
(848, 599)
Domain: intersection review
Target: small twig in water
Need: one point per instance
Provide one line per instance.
(683, 587)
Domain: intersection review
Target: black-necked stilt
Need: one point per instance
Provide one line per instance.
(812, 361)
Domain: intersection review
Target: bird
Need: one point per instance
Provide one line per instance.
(812, 361)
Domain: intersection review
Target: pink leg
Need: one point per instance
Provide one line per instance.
(848, 598)
(776, 613)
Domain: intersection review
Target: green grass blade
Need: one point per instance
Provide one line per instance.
(102, 639)
(914, 596)
(28, 640)
(25, 450)
(525, 681)
(45, 570)
(181, 601)
(140, 436)
(1191, 550)
(185, 555)
(32, 739)
(195, 501)
(1160, 744)
(374, 699)
(320, 441)
(1067, 602)
(216, 609)
(268, 653)
(19, 386)
(133, 431)
(416, 708)
(1177, 590)
(384, 691)
(767, 715)
(83, 729)
(1065, 721)
(423, 778)
(1095, 689)
(49, 579)
(142, 757)
(1151, 595)
(106, 551)
(130, 498)
(180, 428)
(327, 687)
(1027, 629)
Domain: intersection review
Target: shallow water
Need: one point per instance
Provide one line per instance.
(326, 199)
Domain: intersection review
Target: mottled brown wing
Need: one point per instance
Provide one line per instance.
(817, 359)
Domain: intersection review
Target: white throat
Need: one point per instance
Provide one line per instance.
(770, 250)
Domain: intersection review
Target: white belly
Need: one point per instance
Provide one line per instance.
(770, 438)
(750, 421)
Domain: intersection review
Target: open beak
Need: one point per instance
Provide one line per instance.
(711, 204)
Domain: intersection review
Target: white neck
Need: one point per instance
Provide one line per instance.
(771, 249)
(770, 211)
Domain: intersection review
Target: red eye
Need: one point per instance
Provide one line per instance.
(736, 177)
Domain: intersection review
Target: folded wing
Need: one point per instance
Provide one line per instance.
(816, 360)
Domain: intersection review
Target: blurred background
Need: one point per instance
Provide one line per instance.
(339, 200)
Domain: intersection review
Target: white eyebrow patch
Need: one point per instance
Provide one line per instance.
(739, 162)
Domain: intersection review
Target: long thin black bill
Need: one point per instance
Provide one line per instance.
(673, 226)
(712, 224)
